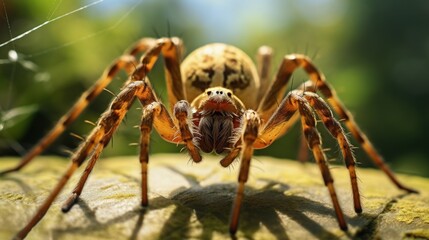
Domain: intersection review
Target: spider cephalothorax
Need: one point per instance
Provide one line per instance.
(219, 102)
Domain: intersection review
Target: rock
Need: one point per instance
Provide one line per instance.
(283, 200)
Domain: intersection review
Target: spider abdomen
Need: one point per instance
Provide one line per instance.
(222, 65)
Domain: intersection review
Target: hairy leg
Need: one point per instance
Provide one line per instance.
(250, 133)
(171, 48)
(278, 87)
(296, 102)
(99, 137)
(265, 55)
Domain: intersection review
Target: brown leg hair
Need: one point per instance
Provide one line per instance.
(145, 129)
(250, 133)
(99, 137)
(332, 98)
(171, 50)
(278, 87)
(183, 113)
(154, 113)
(301, 102)
(293, 102)
(314, 141)
(334, 127)
(232, 155)
(68, 204)
(126, 62)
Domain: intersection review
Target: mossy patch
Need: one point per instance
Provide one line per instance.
(121, 196)
(283, 199)
(417, 234)
(410, 209)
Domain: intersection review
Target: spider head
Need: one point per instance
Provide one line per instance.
(218, 99)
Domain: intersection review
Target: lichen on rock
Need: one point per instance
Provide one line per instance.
(283, 200)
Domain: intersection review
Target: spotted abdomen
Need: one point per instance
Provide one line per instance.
(222, 65)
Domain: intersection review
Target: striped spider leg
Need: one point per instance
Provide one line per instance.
(127, 62)
(154, 115)
(263, 127)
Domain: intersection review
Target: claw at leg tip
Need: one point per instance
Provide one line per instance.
(358, 210)
(410, 190)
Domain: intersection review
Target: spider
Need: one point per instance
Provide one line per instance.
(219, 102)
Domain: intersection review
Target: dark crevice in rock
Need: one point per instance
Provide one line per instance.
(370, 230)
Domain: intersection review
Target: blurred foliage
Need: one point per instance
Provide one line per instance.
(375, 54)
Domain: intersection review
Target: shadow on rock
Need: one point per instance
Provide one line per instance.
(212, 205)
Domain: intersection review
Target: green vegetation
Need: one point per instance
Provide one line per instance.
(375, 53)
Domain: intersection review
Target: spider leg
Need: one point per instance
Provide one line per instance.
(96, 141)
(126, 62)
(232, 155)
(145, 129)
(363, 140)
(286, 113)
(72, 199)
(332, 98)
(276, 90)
(303, 154)
(265, 55)
(250, 130)
(183, 113)
(171, 49)
(314, 141)
(278, 87)
(334, 127)
(154, 113)
(68, 204)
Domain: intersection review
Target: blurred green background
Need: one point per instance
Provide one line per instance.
(375, 54)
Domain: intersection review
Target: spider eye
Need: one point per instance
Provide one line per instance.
(229, 94)
(209, 93)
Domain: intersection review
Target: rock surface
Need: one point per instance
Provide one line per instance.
(284, 200)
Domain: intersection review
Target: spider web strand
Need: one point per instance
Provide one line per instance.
(49, 21)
